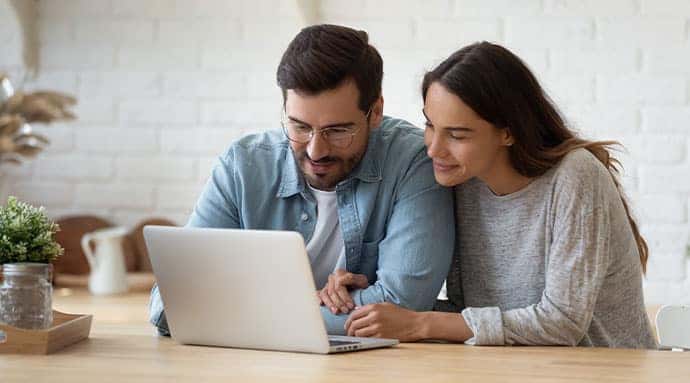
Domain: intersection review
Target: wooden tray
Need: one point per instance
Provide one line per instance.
(67, 329)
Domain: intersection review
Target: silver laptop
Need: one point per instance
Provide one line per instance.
(242, 288)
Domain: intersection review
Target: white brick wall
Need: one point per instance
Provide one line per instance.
(643, 89)
(72, 168)
(119, 84)
(662, 208)
(154, 169)
(608, 61)
(10, 39)
(642, 31)
(116, 140)
(664, 119)
(165, 85)
(134, 112)
(118, 195)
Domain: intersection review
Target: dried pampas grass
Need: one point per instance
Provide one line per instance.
(18, 109)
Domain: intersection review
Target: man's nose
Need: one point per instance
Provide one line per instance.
(318, 147)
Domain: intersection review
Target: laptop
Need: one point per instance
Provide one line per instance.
(243, 289)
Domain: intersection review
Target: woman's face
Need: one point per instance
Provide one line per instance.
(461, 144)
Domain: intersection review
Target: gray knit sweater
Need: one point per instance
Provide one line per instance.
(552, 264)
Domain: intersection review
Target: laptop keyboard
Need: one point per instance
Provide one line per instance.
(341, 342)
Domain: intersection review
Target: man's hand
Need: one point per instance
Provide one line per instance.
(386, 320)
(336, 296)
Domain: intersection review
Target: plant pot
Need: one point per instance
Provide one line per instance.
(26, 295)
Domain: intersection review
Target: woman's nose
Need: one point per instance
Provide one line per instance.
(434, 146)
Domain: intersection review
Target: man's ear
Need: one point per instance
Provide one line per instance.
(376, 115)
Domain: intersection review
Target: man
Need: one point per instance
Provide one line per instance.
(357, 185)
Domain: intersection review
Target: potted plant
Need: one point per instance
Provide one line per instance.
(26, 234)
(27, 248)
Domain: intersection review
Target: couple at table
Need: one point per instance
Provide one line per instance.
(524, 220)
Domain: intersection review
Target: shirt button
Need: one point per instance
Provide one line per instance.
(305, 217)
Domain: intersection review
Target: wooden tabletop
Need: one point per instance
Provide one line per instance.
(122, 347)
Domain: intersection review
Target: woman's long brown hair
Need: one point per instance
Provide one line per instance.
(500, 88)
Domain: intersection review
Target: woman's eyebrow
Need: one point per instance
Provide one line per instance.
(458, 128)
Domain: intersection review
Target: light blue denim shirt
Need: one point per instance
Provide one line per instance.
(397, 222)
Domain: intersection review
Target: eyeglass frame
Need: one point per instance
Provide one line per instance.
(283, 121)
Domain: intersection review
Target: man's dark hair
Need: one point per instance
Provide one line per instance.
(322, 56)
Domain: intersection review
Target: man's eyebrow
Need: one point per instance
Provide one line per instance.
(334, 125)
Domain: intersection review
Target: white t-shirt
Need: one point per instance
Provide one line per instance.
(326, 248)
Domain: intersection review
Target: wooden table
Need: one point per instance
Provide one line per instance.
(122, 348)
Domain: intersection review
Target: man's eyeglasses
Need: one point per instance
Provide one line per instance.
(339, 137)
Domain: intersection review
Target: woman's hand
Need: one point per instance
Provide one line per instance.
(386, 320)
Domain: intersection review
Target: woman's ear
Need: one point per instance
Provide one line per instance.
(507, 138)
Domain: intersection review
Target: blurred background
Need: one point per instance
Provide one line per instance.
(164, 86)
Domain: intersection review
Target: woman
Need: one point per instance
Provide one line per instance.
(547, 252)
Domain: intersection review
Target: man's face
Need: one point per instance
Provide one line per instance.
(323, 162)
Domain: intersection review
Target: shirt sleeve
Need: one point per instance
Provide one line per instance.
(157, 313)
(216, 206)
(415, 254)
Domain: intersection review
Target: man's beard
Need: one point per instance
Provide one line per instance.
(341, 169)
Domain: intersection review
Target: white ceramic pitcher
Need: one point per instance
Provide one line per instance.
(108, 272)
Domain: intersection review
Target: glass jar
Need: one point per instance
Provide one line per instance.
(26, 295)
